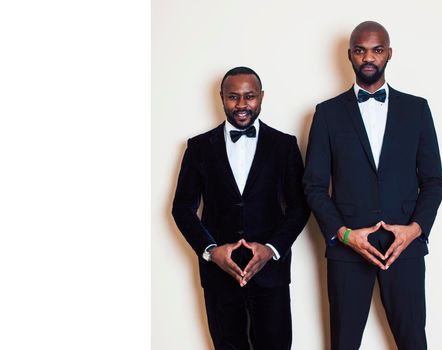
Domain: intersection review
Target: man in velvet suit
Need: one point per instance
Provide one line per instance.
(249, 176)
(378, 147)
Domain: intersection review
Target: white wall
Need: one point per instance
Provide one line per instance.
(299, 50)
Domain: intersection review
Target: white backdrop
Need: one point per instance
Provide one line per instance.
(73, 175)
(299, 50)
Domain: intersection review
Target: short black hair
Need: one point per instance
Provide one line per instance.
(238, 71)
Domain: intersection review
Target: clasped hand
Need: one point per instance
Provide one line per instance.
(222, 256)
(403, 236)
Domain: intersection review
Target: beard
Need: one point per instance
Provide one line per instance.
(232, 113)
(369, 79)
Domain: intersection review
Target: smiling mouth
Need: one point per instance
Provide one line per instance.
(242, 115)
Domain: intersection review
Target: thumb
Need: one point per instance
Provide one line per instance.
(387, 226)
(375, 227)
(237, 244)
(246, 244)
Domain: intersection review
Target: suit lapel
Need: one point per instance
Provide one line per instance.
(392, 128)
(263, 148)
(222, 160)
(356, 118)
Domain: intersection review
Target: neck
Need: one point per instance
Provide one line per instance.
(371, 87)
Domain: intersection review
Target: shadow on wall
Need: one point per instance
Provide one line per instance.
(218, 110)
(343, 65)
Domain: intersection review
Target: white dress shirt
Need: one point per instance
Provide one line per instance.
(240, 155)
(374, 115)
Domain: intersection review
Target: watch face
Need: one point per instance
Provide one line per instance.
(206, 256)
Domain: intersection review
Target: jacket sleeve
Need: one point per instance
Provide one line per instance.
(187, 201)
(296, 211)
(318, 169)
(429, 174)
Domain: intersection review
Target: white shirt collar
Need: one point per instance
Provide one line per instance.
(228, 127)
(356, 89)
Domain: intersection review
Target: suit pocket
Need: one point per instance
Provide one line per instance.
(346, 209)
(408, 206)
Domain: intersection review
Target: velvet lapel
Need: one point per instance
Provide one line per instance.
(356, 118)
(263, 148)
(222, 161)
(392, 128)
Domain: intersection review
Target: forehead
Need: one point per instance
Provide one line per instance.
(241, 83)
(369, 39)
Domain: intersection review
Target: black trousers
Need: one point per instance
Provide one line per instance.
(402, 287)
(252, 312)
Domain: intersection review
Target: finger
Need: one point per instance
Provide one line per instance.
(252, 268)
(374, 228)
(387, 226)
(372, 250)
(247, 244)
(372, 259)
(235, 276)
(394, 256)
(396, 243)
(236, 245)
(230, 264)
(251, 265)
(232, 271)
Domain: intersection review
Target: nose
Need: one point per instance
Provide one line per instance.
(241, 103)
(368, 57)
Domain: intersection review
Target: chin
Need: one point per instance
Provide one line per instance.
(244, 124)
(241, 125)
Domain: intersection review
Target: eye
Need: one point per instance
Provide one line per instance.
(250, 96)
(379, 50)
(232, 97)
(358, 51)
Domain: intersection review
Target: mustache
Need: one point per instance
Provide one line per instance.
(239, 110)
(365, 65)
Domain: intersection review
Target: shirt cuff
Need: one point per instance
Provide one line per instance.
(276, 255)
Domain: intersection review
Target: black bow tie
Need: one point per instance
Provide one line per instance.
(236, 134)
(380, 95)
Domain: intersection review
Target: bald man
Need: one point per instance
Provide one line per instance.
(378, 146)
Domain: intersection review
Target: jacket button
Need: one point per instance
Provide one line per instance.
(240, 232)
(239, 204)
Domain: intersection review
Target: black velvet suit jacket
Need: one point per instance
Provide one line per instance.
(406, 187)
(272, 208)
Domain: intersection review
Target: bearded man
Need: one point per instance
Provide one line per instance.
(249, 176)
(378, 147)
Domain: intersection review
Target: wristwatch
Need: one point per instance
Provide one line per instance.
(207, 255)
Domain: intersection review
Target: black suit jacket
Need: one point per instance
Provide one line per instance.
(272, 208)
(406, 187)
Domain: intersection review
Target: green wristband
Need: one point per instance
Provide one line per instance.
(346, 234)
